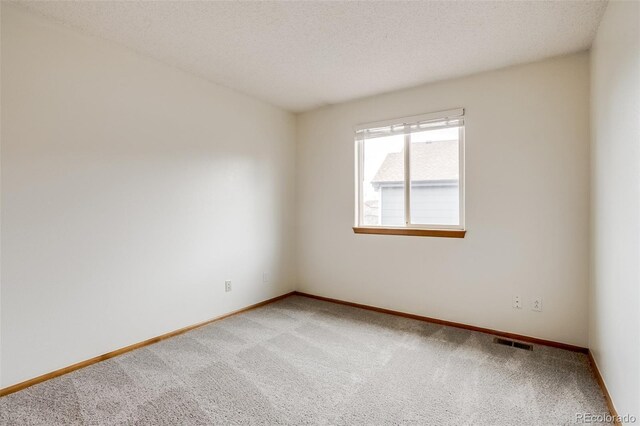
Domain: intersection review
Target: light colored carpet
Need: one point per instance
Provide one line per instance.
(303, 361)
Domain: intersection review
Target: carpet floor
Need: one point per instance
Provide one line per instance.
(303, 361)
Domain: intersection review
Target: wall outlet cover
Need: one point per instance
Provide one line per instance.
(537, 304)
(517, 302)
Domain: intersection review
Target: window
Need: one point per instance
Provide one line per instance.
(410, 175)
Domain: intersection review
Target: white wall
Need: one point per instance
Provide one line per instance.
(527, 193)
(130, 192)
(614, 321)
(0, 197)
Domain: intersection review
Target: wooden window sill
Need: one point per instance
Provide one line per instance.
(416, 232)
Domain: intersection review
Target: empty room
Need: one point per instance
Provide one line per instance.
(320, 212)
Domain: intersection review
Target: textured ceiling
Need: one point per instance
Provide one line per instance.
(301, 55)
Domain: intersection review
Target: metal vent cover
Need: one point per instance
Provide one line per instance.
(507, 342)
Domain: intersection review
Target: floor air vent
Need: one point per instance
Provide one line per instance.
(506, 342)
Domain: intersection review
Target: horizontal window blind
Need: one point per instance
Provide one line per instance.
(433, 121)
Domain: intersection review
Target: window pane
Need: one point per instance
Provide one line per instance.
(435, 191)
(383, 181)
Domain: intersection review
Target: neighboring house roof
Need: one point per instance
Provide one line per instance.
(372, 204)
(371, 211)
(438, 161)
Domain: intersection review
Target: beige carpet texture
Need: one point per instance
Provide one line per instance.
(301, 361)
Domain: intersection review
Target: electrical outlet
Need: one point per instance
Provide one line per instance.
(537, 304)
(227, 286)
(517, 302)
(265, 277)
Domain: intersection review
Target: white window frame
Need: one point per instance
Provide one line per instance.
(454, 114)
